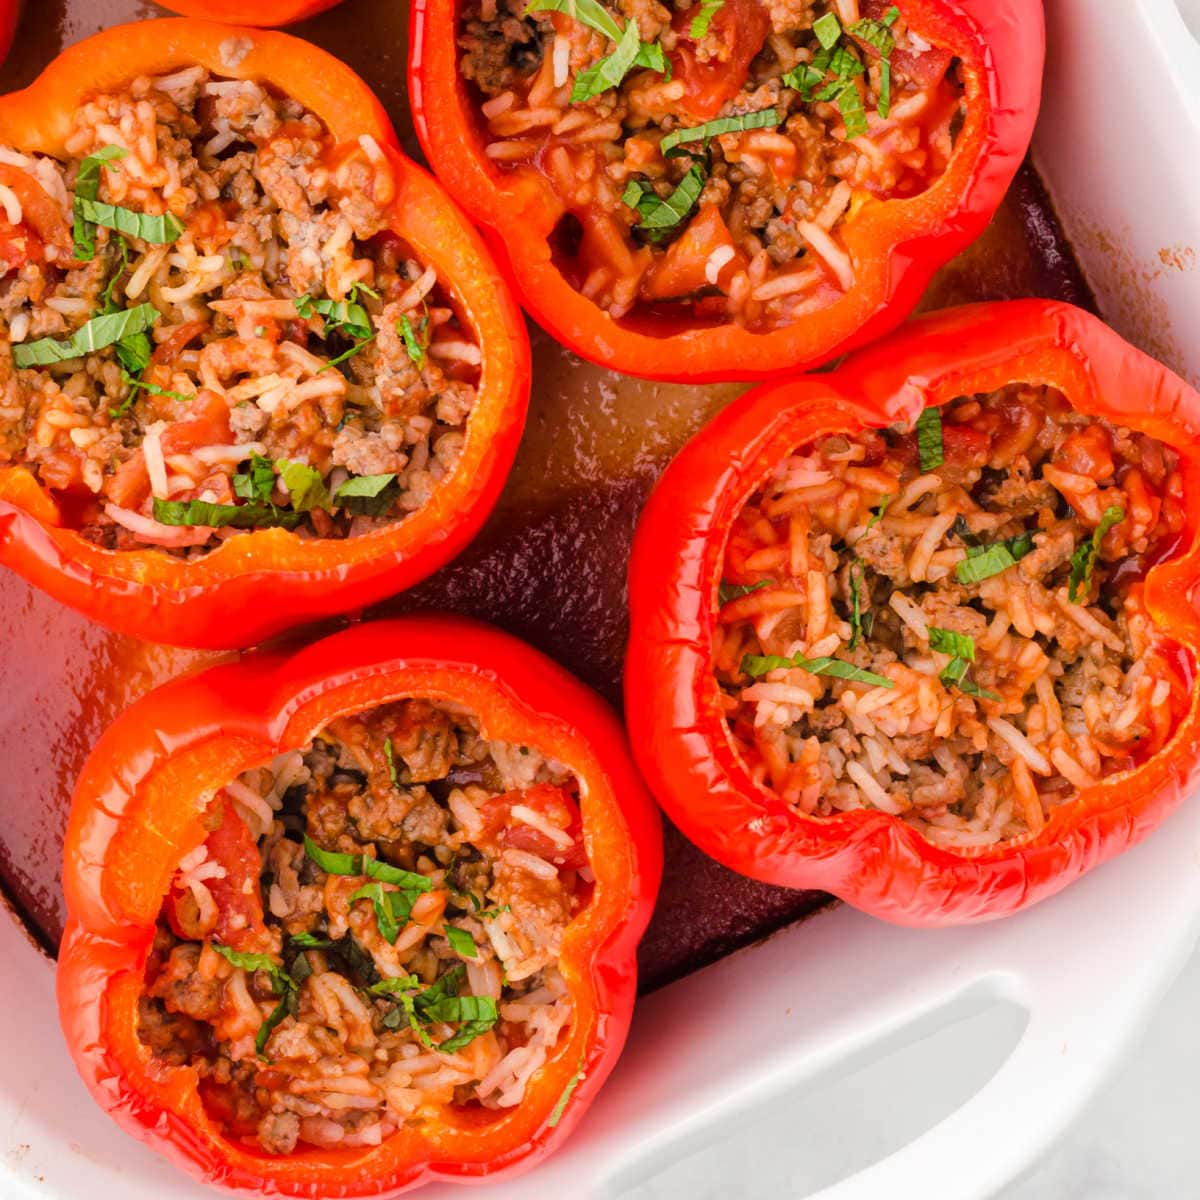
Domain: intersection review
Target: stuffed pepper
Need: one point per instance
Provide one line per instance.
(725, 189)
(922, 632)
(254, 367)
(348, 921)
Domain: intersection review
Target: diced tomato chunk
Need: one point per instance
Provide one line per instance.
(236, 893)
(736, 34)
(503, 831)
(683, 269)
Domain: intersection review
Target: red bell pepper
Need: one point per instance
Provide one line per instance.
(873, 860)
(895, 246)
(264, 581)
(140, 805)
(261, 13)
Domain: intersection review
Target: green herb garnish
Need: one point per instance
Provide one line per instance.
(87, 188)
(879, 35)
(560, 1106)
(828, 29)
(596, 16)
(954, 674)
(762, 119)
(257, 482)
(760, 664)
(160, 229)
(306, 488)
(957, 645)
(390, 757)
(392, 909)
(929, 439)
(237, 516)
(96, 334)
(334, 862)
(861, 623)
(703, 19)
(282, 984)
(412, 343)
(461, 942)
(984, 561)
(659, 216)
(1083, 561)
(727, 592)
(880, 509)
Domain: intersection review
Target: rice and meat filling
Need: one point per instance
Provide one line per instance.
(712, 157)
(946, 624)
(417, 882)
(235, 339)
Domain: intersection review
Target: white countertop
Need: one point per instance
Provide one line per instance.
(1140, 1138)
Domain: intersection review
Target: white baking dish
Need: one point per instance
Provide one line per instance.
(844, 1058)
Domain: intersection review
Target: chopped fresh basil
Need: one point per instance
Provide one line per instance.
(1083, 561)
(561, 1105)
(335, 862)
(390, 756)
(393, 986)
(474, 1014)
(341, 358)
(879, 35)
(880, 509)
(344, 316)
(265, 1030)
(309, 941)
(957, 645)
(761, 119)
(954, 674)
(237, 516)
(611, 69)
(659, 216)
(854, 115)
(861, 623)
(734, 591)
(306, 488)
(760, 664)
(596, 16)
(703, 19)
(929, 439)
(984, 561)
(249, 962)
(134, 384)
(87, 188)
(412, 343)
(282, 984)
(368, 495)
(160, 229)
(93, 335)
(257, 482)
(828, 29)
(392, 909)
(461, 942)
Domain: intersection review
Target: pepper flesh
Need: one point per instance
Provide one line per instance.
(896, 246)
(872, 860)
(261, 13)
(139, 806)
(262, 582)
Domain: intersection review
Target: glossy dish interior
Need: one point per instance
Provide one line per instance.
(594, 444)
